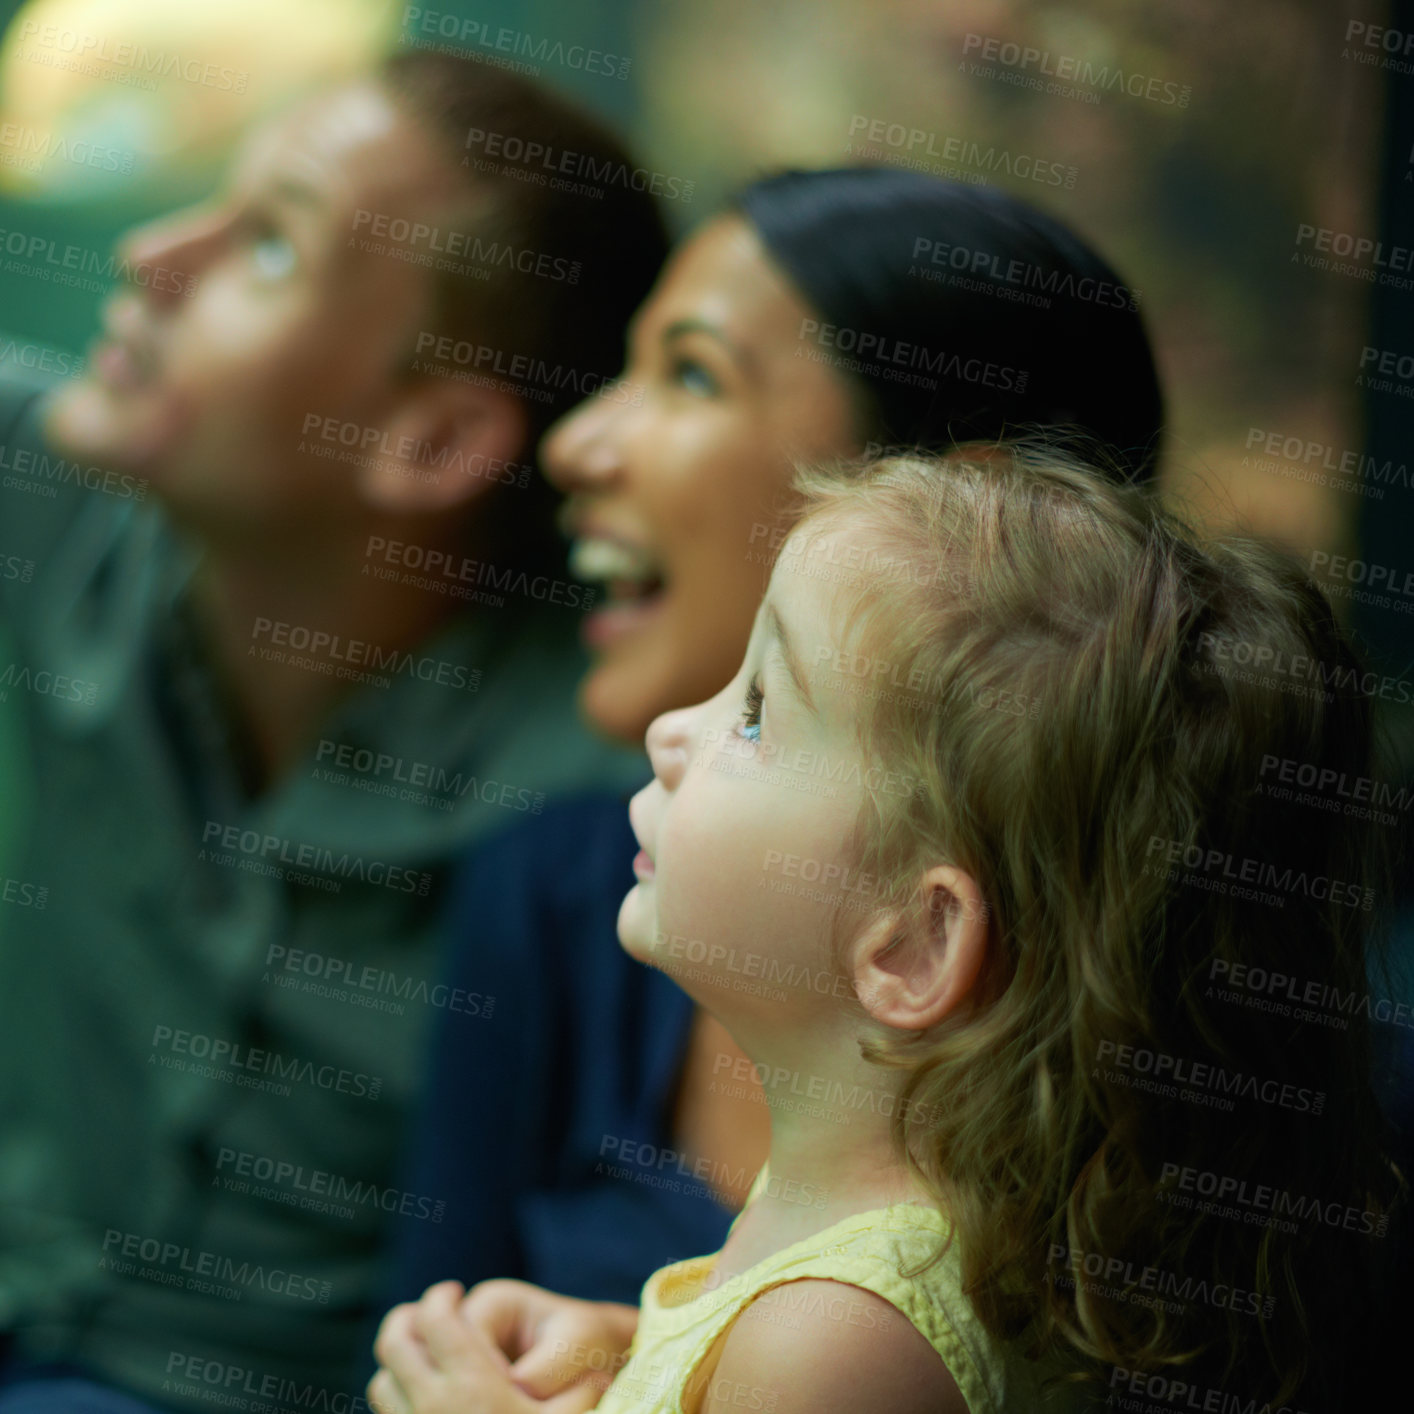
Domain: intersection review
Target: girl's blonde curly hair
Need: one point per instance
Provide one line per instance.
(1099, 708)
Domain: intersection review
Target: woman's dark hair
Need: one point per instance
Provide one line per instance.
(963, 313)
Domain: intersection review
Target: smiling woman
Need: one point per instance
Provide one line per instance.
(666, 491)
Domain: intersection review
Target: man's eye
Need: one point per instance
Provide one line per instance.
(694, 377)
(272, 254)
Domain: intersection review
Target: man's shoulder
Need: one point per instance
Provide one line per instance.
(21, 394)
(43, 490)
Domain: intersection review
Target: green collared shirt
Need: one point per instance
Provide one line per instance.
(215, 1007)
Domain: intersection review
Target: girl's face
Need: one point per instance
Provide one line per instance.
(746, 825)
(673, 476)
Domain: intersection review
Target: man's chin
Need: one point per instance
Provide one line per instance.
(84, 421)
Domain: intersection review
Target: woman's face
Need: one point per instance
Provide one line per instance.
(675, 476)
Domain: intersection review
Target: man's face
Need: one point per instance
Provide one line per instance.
(274, 311)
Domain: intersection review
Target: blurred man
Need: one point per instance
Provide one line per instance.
(292, 640)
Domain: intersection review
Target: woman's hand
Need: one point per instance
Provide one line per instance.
(558, 1344)
(446, 1354)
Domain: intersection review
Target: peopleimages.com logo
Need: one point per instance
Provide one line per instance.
(214, 1273)
(1065, 75)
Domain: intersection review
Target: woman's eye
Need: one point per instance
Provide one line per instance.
(272, 254)
(694, 377)
(749, 725)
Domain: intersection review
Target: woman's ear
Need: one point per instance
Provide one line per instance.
(911, 971)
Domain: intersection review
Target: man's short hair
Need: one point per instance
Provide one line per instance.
(565, 238)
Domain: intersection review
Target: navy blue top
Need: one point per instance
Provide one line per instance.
(529, 1115)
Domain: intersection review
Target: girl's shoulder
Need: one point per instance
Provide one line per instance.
(843, 1348)
(879, 1293)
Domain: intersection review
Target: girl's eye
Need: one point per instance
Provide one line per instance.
(694, 377)
(750, 724)
(272, 254)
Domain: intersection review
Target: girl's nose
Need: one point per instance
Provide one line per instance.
(668, 740)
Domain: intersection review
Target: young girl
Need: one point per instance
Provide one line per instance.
(982, 860)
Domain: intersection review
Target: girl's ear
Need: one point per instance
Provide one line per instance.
(912, 971)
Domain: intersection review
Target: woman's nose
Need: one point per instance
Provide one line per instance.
(582, 451)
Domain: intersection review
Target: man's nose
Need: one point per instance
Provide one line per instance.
(164, 257)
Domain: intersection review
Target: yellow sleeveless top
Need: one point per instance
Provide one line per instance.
(683, 1314)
